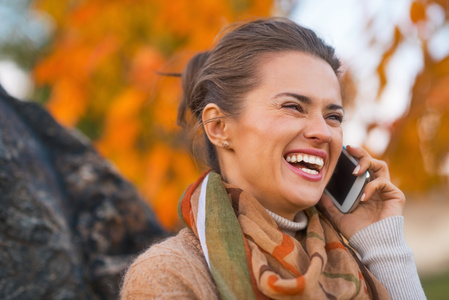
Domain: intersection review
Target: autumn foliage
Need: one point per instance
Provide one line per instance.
(100, 71)
(100, 75)
(418, 151)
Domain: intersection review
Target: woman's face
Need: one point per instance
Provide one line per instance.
(293, 116)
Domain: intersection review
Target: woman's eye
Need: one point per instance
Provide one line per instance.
(335, 117)
(293, 106)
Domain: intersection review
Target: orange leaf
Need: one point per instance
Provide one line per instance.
(122, 126)
(417, 11)
(166, 205)
(85, 12)
(157, 166)
(106, 47)
(438, 97)
(146, 62)
(381, 68)
(127, 105)
(67, 102)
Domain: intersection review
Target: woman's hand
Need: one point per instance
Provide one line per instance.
(381, 199)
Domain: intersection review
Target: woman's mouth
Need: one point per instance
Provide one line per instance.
(310, 164)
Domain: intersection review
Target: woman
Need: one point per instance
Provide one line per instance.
(256, 228)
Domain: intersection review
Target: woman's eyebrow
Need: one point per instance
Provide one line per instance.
(307, 100)
(335, 107)
(300, 98)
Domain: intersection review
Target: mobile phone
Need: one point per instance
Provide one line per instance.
(345, 188)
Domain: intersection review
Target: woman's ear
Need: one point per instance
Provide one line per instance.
(215, 125)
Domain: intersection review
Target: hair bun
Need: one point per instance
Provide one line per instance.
(193, 93)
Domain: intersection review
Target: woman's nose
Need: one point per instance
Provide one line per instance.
(318, 130)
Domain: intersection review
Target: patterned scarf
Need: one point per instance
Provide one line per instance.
(250, 258)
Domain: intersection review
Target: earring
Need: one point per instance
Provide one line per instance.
(225, 144)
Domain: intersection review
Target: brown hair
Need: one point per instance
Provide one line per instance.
(225, 74)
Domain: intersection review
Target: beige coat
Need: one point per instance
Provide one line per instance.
(173, 269)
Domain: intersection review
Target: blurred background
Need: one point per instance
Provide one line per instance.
(93, 64)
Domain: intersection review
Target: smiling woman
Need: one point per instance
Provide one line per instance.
(268, 99)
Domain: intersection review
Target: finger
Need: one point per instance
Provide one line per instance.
(386, 190)
(378, 168)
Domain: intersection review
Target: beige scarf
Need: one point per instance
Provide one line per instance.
(250, 258)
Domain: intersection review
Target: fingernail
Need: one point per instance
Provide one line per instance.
(363, 197)
(356, 170)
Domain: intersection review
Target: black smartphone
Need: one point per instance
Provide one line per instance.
(345, 188)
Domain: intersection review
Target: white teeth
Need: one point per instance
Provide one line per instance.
(312, 159)
(309, 171)
(317, 161)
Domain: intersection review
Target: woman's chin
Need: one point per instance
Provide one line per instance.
(305, 192)
(306, 199)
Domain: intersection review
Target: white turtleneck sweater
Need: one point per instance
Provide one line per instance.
(383, 251)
